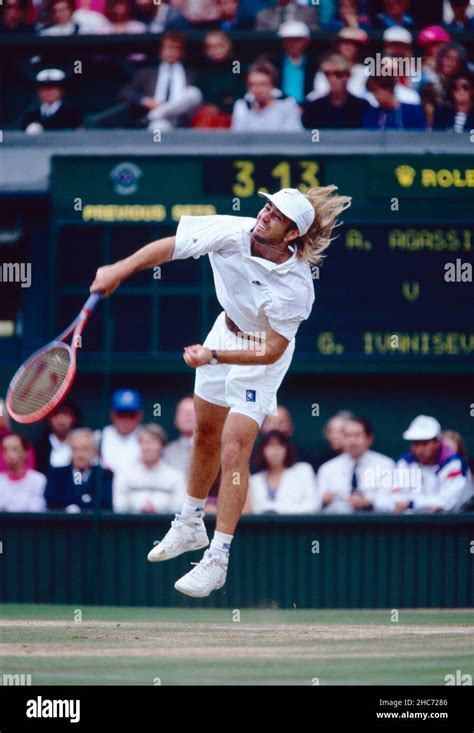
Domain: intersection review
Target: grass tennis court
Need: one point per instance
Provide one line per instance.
(140, 646)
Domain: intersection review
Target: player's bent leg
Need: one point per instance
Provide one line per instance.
(238, 438)
(187, 531)
(206, 455)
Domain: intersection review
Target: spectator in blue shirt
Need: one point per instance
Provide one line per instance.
(395, 14)
(391, 114)
(297, 70)
(461, 21)
(230, 17)
(350, 14)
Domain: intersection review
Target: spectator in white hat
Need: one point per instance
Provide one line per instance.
(296, 69)
(264, 108)
(398, 45)
(397, 41)
(440, 481)
(349, 43)
(50, 112)
(270, 19)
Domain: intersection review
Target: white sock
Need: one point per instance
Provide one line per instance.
(192, 506)
(221, 542)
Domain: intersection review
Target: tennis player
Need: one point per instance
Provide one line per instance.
(264, 285)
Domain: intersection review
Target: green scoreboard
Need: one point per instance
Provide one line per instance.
(396, 285)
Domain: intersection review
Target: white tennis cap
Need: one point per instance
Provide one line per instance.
(293, 204)
(422, 427)
(397, 34)
(50, 76)
(293, 29)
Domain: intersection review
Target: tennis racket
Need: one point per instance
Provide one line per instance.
(44, 380)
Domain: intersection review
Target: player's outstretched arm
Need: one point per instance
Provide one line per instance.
(109, 277)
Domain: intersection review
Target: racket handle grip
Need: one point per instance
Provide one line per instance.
(92, 301)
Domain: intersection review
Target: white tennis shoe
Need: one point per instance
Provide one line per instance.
(208, 575)
(186, 534)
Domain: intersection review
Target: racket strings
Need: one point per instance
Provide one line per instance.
(41, 380)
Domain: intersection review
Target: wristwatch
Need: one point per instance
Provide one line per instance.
(213, 359)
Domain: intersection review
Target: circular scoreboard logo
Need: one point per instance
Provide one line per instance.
(125, 178)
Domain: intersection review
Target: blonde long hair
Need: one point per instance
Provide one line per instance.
(327, 207)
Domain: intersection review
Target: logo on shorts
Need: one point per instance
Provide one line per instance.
(250, 395)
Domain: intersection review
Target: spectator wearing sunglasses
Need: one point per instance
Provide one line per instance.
(339, 109)
(350, 43)
(458, 114)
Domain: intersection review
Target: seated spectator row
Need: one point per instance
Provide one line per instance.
(289, 91)
(130, 467)
(68, 17)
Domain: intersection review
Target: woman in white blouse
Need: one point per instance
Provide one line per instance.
(281, 486)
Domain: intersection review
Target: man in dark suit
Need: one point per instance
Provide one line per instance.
(51, 112)
(339, 109)
(162, 97)
(83, 485)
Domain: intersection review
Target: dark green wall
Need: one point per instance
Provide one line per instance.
(302, 562)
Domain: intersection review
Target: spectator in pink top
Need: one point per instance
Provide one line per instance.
(21, 488)
(5, 429)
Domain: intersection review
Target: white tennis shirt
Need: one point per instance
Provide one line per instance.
(254, 292)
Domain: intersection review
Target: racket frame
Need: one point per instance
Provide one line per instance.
(76, 328)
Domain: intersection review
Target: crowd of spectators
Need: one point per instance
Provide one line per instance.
(416, 77)
(131, 467)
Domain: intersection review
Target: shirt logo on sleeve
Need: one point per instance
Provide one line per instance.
(250, 395)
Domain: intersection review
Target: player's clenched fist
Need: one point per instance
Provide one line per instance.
(107, 279)
(196, 355)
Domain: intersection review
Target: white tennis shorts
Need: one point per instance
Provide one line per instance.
(247, 389)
